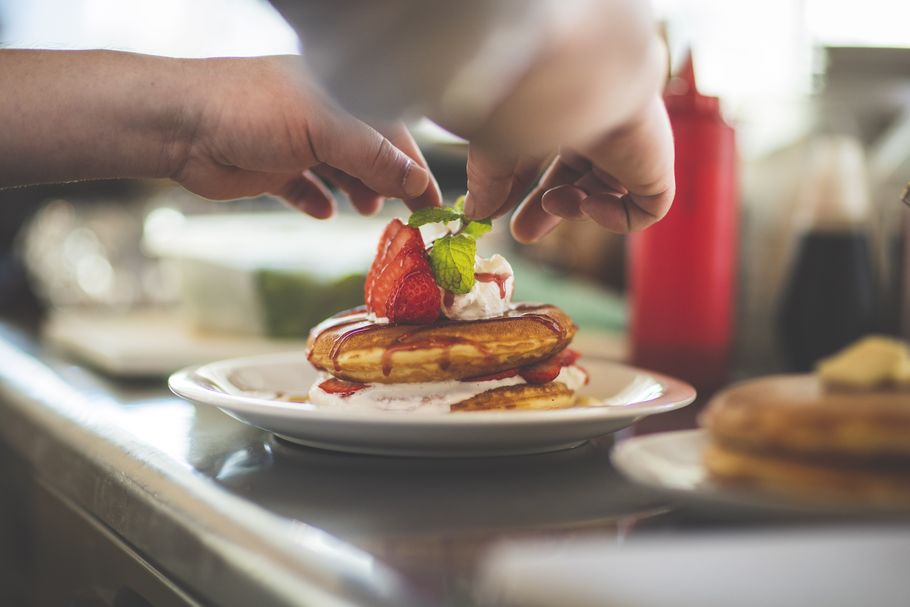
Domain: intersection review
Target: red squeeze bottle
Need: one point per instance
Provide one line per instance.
(681, 270)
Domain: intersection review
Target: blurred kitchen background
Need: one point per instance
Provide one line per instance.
(140, 278)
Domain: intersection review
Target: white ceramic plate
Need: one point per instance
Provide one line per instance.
(250, 389)
(670, 462)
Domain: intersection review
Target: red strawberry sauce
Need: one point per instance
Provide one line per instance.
(342, 388)
(499, 279)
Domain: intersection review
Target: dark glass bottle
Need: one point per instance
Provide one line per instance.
(830, 298)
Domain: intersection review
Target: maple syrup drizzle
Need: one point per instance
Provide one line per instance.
(356, 322)
(547, 321)
(527, 307)
(499, 279)
(359, 328)
(346, 317)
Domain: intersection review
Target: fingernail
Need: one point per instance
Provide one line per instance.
(416, 179)
(564, 201)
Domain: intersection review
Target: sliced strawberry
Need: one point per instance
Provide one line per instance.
(391, 277)
(493, 376)
(416, 300)
(406, 238)
(396, 239)
(568, 357)
(343, 388)
(542, 372)
(547, 370)
(379, 261)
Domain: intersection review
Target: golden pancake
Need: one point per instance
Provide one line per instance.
(352, 347)
(795, 414)
(526, 397)
(818, 479)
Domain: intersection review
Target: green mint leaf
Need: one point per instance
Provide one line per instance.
(477, 228)
(458, 205)
(452, 260)
(433, 215)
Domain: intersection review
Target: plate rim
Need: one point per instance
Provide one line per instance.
(677, 394)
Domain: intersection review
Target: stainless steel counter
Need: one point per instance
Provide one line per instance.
(230, 516)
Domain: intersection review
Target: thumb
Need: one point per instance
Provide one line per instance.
(490, 178)
(346, 143)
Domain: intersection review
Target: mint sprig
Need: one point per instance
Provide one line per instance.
(452, 255)
(452, 260)
(422, 217)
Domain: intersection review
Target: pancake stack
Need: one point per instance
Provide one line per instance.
(529, 343)
(831, 436)
(398, 351)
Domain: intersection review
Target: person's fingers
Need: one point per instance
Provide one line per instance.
(398, 134)
(564, 201)
(306, 193)
(531, 222)
(348, 144)
(365, 200)
(575, 160)
(526, 173)
(615, 213)
(612, 184)
(640, 159)
(490, 180)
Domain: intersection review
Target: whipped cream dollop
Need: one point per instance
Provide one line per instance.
(428, 397)
(491, 295)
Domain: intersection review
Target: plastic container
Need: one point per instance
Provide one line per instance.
(682, 270)
(275, 274)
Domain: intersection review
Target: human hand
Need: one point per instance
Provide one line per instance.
(593, 94)
(622, 180)
(257, 126)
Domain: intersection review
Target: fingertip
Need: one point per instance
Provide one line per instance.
(527, 233)
(428, 199)
(371, 208)
(484, 206)
(564, 201)
(305, 193)
(530, 223)
(470, 206)
(319, 209)
(432, 197)
(416, 180)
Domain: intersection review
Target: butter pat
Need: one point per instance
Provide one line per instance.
(871, 363)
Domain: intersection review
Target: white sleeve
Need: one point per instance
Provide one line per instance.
(393, 58)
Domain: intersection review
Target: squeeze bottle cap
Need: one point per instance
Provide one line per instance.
(682, 93)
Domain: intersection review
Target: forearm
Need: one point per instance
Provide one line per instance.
(71, 115)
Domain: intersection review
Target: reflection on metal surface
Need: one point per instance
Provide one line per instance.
(165, 423)
(408, 495)
(434, 519)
